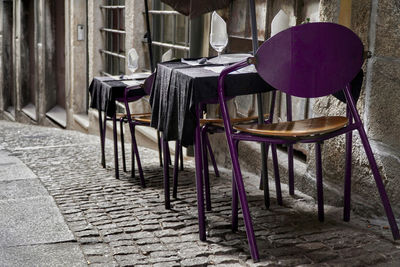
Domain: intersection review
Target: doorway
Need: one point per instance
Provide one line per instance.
(55, 63)
(8, 66)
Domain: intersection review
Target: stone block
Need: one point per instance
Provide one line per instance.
(360, 19)
(387, 29)
(383, 105)
(329, 10)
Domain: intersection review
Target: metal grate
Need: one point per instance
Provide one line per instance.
(114, 33)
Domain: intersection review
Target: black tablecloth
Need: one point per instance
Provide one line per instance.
(105, 90)
(179, 87)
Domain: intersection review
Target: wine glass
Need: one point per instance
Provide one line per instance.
(167, 56)
(218, 34)
(133, 60)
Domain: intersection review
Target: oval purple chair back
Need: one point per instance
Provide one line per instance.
(310, 60)
(148, 84)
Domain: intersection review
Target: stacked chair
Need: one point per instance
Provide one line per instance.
(310, 60)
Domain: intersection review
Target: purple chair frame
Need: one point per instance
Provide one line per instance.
(126, 99)
(132, 124)
(309, 60)
(207, 146)
(206, 149)
(163, 146)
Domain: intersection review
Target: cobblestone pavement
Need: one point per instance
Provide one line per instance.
(118, 223)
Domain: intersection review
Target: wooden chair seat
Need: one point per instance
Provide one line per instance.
(144, 117)
(219, 121)
(293, 129)
(141, 117)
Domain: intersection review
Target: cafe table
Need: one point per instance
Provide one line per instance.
(104, 92)
(181, 87)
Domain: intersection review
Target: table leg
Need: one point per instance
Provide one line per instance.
(115, 146)
(102, 139)
(166, 173)
(199, 177)
(159, 148)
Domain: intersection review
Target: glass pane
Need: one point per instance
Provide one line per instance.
(181, 30)
(168, 26)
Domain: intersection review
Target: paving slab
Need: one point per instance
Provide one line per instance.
(26, 188)
(32, 221)
(67, 254)
(12, 168)
(15, 171)
(6, 159)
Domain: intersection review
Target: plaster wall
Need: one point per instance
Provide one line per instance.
(135, 27)
(96, 20)
(77, 59)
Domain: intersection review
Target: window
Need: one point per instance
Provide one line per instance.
(114, 32)
(170, 30)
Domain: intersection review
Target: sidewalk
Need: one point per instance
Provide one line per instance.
(59, 207)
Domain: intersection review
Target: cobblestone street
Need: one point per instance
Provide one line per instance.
(118, 223)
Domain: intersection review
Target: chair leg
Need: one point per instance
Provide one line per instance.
(136, 151)
(199, 178)
(205, 167)
(374, 167)
(235, 207)
(102, 138)
(181, 156)
(176, 166)
(132, 161)
(214, 163)
(167, 201)
(277, 176)
(291, 170)
(243, 202)
(115, 136)
(159, 149)
(320, 195)
(168, 155)
(264, 180)
(379, 184)
(347, 178)
(121, 129)
(234, 204)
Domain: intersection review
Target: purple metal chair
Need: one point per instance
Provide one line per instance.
(206, 149)
(123, 118)
(133, 120)
(310, 60)
(144, 120)
(215, 125)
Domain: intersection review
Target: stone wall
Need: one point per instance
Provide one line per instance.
(377, 24)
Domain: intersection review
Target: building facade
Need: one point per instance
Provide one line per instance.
(51, 50)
